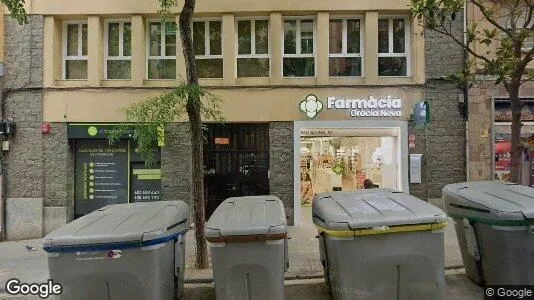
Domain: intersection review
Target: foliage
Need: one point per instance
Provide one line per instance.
(507, 32)
(16, 7)
(509, 58)
(148, 118)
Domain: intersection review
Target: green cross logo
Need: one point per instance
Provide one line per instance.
(311, 106)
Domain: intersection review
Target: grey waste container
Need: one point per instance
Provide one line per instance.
(380, 245)
(123, 251)
(494, 224)
(248, 239)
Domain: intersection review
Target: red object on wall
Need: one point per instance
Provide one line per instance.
(503, 147)
(46, 128)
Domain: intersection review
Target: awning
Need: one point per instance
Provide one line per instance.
(505, 130)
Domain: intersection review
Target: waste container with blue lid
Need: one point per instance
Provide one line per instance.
(124, 251)
(380, 244)
(248, 239)
(494, 224)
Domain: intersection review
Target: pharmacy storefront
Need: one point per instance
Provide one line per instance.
(351, 142)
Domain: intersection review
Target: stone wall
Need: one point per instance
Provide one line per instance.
(24, 163)
(480, 131)
(281, 164)
(443, 141)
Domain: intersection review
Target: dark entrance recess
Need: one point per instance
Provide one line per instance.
(236, 162)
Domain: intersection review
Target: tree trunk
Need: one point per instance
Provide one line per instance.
(517, 148)
(195, 122)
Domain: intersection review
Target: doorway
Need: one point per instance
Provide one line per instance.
(335, 156)
(236, 162)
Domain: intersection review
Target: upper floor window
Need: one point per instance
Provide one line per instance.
(345, 58)
(393, 47)
(161, 62)
(207, 44)
(118, 62)
(299, 47)
(253, 48)
(75, 50)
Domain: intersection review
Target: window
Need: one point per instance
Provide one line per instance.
(345, 47)
(207, 44)
(299, 48)
(392, 47)
(161, 50)
(253, 48)
(118, 50)
(75, 50)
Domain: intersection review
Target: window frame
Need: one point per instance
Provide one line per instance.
(253, 43)
(344, 42)
(407, 43)
(298, 45)
(207, 42)
(162, 47)
(80, 55)
(121, 46)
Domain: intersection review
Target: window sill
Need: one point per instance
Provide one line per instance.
(299, 80)
(160, 82)
(390, 80)
(346, 80)
(210, 81)
(72, 83)
(116, 82)
(252, 81)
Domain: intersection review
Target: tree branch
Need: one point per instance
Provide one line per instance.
(461, 43)
(529, 14)
(490, 19)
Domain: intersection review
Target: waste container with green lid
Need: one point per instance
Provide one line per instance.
(380, 245)
(248, 239)
(124, 251)
(494, 224)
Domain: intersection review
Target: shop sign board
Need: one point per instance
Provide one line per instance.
(222, 141)
(387, 106)
(368, 107)
(101, 174)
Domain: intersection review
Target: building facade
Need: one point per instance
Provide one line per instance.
(317, 96)
(489, 130)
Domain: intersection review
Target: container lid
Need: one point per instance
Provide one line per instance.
(497, 199)
(129, 222)
(247, 216)
(365, 209)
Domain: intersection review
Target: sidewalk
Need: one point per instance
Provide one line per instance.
(31, 266)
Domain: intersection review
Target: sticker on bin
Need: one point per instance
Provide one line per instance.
(114, 253)
(93, 255)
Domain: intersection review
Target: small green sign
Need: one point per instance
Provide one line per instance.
(338, 169)
(92, 131)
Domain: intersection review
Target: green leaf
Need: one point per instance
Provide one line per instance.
(16, 8)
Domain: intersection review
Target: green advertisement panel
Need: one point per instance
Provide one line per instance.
(101, 174)
(145, 182)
